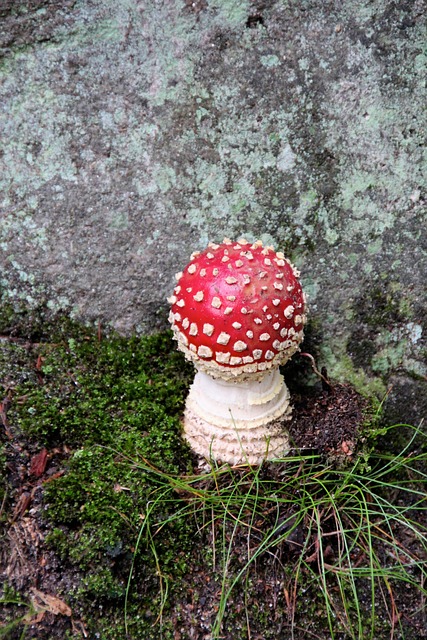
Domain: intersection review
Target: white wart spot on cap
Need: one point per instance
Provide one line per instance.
(216, 303)
(257, 354)
(289, 311)
(228, 310)
(222, 358)
(276, 345)
(247, 359)
(235, 360)
(239, 263)
(192, 268)
(183, 338)
(208, 329)
(276, 325)
(236, 325)
(223, 338)
(193, 329)
(257, 320)
(186, 323)
(269, 355)
(276, 302)
(180, 303)
(250, 334)
(230, 280)
(204, 352)
(264, 337)
(240, 345)
(198, 296)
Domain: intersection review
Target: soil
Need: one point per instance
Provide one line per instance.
(328, 420)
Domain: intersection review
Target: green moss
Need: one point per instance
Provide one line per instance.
(100, 392)
(113, 403)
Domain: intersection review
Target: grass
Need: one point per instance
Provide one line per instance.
(351, 524)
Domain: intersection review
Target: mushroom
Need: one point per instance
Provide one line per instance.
(238, 312)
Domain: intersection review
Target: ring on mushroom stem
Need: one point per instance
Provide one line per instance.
(238, 312)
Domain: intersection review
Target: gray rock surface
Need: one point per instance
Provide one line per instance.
(133, 132)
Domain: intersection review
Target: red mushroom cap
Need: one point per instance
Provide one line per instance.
(238, 308)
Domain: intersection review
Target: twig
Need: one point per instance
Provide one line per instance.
(4, 407)
(322, 375)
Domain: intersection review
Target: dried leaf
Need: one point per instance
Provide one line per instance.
(4, 407)
(22, 505)
(52, 604)
(38, 463)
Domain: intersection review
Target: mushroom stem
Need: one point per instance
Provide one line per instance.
(239, 420)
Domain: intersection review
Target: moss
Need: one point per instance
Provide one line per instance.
(93, 392)
(112, 404)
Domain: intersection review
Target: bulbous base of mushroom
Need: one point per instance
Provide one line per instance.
(239, 422)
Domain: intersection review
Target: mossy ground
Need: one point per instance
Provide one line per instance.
(94, 404)
(91, 442)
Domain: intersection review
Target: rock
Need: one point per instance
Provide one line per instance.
(135, 132)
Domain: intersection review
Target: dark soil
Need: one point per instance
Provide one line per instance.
(328, 420)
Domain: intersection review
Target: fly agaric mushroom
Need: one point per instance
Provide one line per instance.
(238, 312)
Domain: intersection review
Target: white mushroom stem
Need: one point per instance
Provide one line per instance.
(238, 421)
